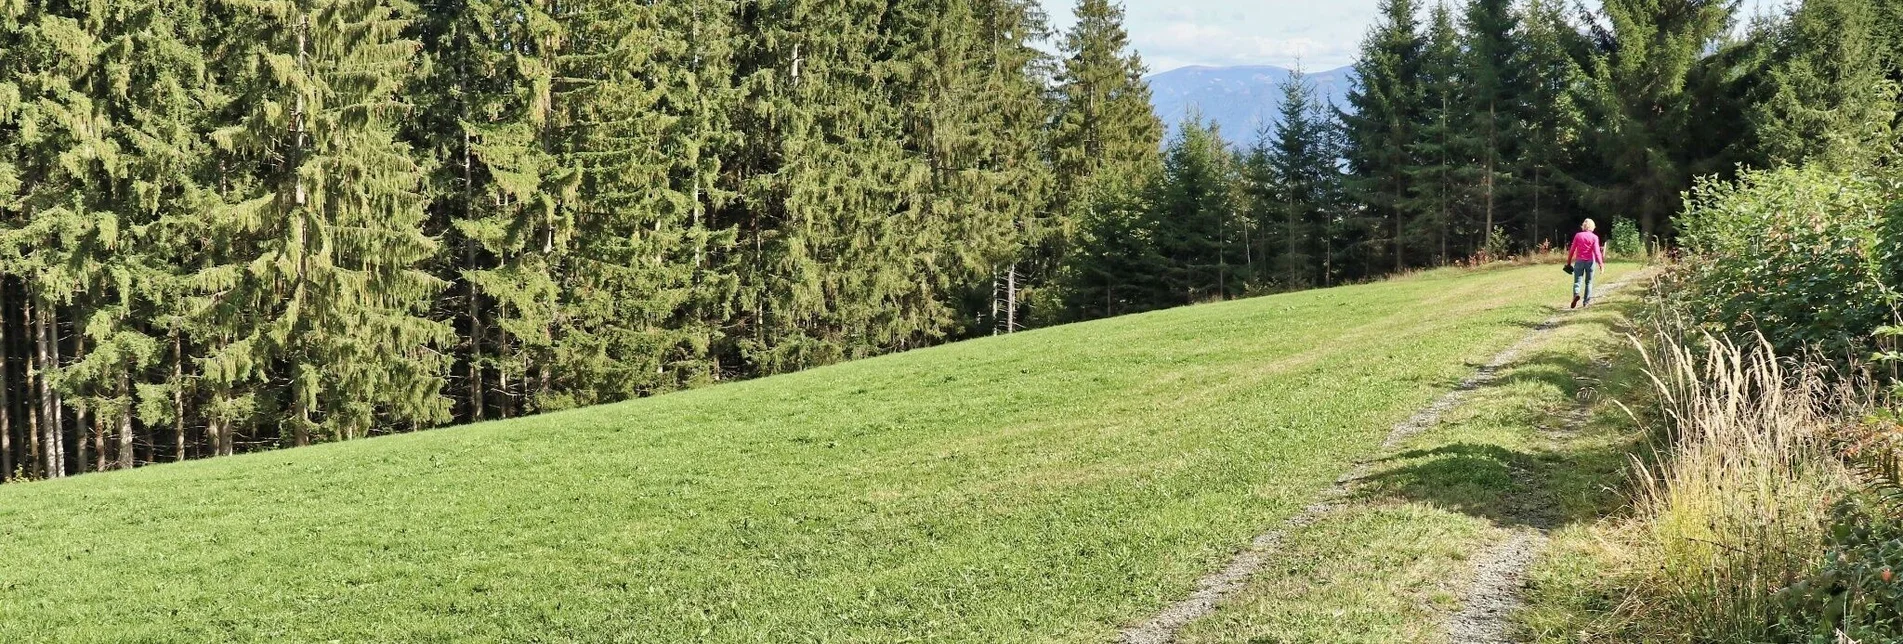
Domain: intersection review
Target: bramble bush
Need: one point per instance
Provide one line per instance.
(1857, 591)
(1806, 256)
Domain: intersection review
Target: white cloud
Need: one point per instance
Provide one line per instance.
(1188, 43)
(1320, 34)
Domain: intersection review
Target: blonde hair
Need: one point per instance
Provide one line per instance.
(1589, 225)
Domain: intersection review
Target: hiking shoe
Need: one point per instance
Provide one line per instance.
(1575, 302)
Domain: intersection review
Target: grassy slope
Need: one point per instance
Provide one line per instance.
(1049, 485)
(1392, 565)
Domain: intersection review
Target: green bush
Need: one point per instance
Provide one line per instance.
(1625, 241)
(1799, 254)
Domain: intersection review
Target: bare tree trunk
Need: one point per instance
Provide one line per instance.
(178, 397)
(502, 373)
(83, 421)
(125, 424)
(1400, 251)
(1011, 300)
(6, 387)
(35, 452)
(300, 411)
(1536, 207)
(477, 408)
(299, 396)
(53, 454)
(994, 302)
(1248, 250)
(1493, 147)
(543, 381)
(99, 441)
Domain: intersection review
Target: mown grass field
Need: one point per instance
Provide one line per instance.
(1048, 486)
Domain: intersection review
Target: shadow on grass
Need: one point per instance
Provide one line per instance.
(1568, 476)
(1624, 307)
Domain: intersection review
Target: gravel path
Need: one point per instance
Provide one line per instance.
(1495, 593)
(1500, 573)
(1501, 567)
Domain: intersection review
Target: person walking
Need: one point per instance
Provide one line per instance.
(1585, 259)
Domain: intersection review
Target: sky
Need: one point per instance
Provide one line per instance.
(1319, 34)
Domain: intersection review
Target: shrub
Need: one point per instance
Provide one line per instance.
(1625, 241)
(1798, 254)
(1497, 246)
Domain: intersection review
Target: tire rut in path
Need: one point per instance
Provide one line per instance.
(1212, 589)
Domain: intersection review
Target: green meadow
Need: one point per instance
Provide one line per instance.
(1053, 485)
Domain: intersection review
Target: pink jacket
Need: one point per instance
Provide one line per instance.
(1586, 249)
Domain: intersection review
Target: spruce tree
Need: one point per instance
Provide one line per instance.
(1116, 267)
(332, 220)
(57, 154)
(1104, 116)
(631, 288)
(1640, 104)
(1493, 90)
(1008, 112)
(826, 207)
(152, 99)
(1381, 125)
(1828, 95)
(1261, 204)
(1548, 127)
(489, 116)
(1194, 216)
(1308, 183)
(1436, 198)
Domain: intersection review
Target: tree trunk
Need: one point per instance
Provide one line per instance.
(502, 372)
(301, 421)
(1536, 207)
(1492, 157)
(6, 386)
(994, 302)
(1011, 300)
(178, 397)
(52, 454)
(125, 424)
(83, 420)
(1400, 243)
(99, 441)
(29, 375)
(476, 409)
(300, 412)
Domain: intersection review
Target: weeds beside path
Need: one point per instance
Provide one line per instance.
(1429, 544)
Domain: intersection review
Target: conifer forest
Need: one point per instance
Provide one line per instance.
(239, 225)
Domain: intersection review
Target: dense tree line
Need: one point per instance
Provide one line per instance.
(245, 224)
(240, 224)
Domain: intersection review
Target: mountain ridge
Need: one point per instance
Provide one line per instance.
(1239, 99)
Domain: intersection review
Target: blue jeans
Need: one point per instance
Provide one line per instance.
(1583, 272)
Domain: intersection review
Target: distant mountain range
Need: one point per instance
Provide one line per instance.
(1240, 99)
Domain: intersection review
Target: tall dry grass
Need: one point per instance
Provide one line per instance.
(1735, 501)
